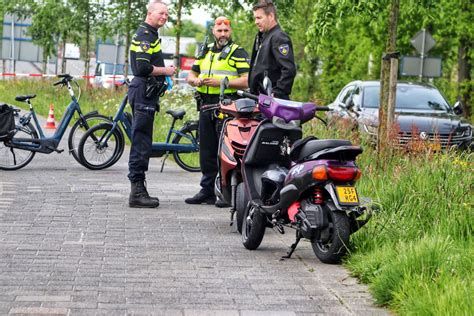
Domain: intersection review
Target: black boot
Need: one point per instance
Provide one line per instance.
(139, 196)
(201, 198)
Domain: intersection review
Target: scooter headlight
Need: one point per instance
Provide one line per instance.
(279, 122)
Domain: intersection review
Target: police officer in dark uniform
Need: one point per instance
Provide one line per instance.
(149, 72)
(221, 59)
(272, 53)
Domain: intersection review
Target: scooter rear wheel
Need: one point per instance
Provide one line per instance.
(253, 228)
(334, 240)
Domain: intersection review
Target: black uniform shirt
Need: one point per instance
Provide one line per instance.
(145, 51)
(272, 53)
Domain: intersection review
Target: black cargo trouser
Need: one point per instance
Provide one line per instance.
(209, 133)
(142, 129)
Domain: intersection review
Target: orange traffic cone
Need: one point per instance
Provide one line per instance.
(50, 122)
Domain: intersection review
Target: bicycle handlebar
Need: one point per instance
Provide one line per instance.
(65, 79)
(126, 82)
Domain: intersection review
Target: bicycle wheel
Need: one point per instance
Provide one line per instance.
(189, 161)
(95, 152)
(78, 129)
(13, 158)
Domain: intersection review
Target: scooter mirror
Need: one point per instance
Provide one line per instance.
(267, 85)
(224, 85)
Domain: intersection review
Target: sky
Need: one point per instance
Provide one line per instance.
(198, 16)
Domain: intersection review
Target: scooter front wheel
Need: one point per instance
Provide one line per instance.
(241, 202)
(334, 240)
(253, 228)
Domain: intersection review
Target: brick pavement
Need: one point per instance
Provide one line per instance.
(70, 245)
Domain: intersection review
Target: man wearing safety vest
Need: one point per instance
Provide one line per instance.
(221, 59)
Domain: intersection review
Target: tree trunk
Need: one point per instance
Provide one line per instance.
(178, 34)
(63, 60)
(44, 64)
(127, 36)
(465, 87)
(87, 59)
(385, 78)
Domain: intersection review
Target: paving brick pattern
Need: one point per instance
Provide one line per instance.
(70, 245)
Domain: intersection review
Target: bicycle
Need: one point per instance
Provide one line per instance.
(29, 138)
(103, 145)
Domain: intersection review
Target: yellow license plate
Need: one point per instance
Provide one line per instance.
(347, 195)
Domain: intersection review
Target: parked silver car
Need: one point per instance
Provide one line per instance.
(422, 114)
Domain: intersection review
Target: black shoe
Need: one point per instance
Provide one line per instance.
(221, 203)
(201, 198)
(140, 198)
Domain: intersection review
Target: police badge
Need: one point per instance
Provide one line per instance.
(284, 49)
(145, 46)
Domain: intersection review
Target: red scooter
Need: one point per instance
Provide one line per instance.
(307, 184)
(236, 132)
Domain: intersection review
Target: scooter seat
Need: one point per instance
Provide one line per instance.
(177, 114)
(308, 146)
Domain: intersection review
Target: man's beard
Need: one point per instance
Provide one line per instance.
(223, 41)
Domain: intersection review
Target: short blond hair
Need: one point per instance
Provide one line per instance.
(152, 3)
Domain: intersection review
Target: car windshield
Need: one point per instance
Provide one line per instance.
(408, 97)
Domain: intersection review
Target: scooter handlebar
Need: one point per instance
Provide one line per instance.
(254, 97)
(323, 108)
(247, 95)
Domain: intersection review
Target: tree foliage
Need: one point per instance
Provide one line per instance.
(335, 41)
(344, 33)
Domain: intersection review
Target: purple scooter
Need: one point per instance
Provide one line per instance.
(305, 184)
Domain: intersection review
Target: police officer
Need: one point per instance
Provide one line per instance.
(272, 53)
(221, 59)
(149, 72)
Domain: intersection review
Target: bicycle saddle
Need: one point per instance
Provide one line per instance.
(23, 98)
(178, 114)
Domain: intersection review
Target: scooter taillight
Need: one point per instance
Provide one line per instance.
(344, 173)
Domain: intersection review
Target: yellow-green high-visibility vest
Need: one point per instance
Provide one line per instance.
(211, 66)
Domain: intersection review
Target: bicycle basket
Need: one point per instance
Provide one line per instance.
(7, 122)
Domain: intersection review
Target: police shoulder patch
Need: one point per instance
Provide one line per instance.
(145, 46)
(284, 49)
